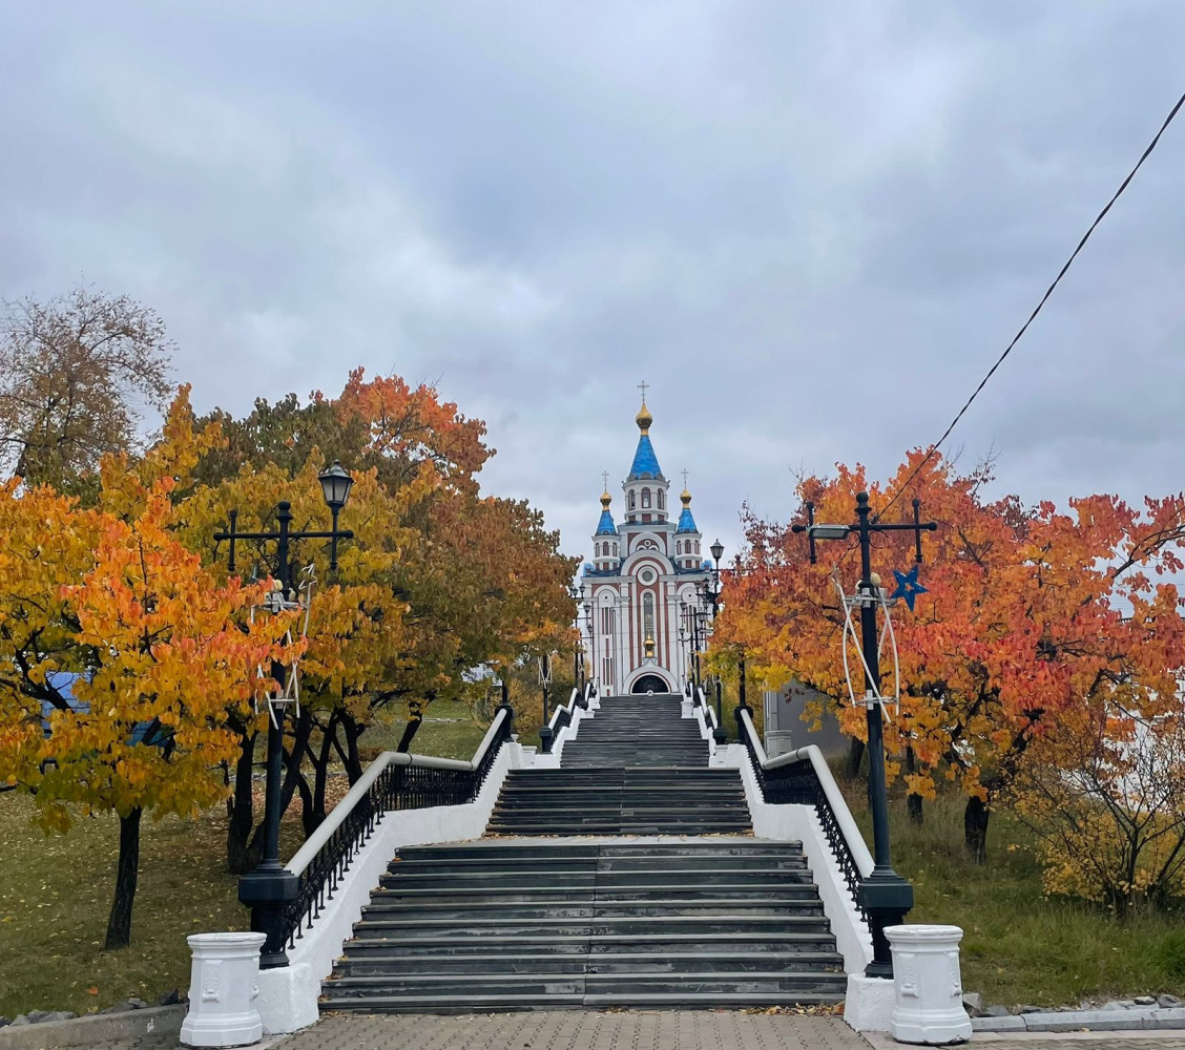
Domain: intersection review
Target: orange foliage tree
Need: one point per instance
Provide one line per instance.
(119, 658)
(1031, 613)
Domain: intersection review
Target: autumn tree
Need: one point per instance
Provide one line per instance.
(76, 374)
(437, 581)
(159, 652)
(1031, 614)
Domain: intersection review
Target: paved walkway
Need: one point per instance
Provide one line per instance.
(580, 1030)
(636, 1030)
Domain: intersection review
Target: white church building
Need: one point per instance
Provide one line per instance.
(643, 586)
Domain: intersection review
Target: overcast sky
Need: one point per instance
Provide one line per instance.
(810, 226)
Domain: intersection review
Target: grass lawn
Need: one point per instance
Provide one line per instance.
(56, 894)
(1020, 947)
(56, 891)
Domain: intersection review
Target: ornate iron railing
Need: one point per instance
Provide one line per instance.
(803, 777)
(393, 781)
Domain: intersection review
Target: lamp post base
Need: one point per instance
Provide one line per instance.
(546, 737)
(266, 891)
(886, 898)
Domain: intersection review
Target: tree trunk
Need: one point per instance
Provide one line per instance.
(855, 757)
(352, 760)
(409, 732)
(119, 922)
(913, 802)
(975, 828)
(240, 811)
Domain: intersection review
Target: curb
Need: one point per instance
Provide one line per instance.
(97, 1028)
(1151, 1019)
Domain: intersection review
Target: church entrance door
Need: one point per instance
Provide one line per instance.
(650, 683)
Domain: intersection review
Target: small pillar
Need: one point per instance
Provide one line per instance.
(928, 985)
(223, 985)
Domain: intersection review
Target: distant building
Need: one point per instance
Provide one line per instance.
(643, 582)
(786, 731)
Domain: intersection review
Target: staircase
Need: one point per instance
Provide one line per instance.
(555, 909)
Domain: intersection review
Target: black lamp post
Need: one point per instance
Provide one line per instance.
(269, 887)
(885, 896)
(576, 594)
(546, 734)
(592, 641)
(712, 594)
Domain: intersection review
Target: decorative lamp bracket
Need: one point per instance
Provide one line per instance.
(851, 640)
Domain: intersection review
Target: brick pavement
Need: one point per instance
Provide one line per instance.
(634, 1030)
(579, 1030)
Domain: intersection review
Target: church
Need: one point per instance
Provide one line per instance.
(645, 585)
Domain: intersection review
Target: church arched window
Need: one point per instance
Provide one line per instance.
(645, 498)
(648, 614)
(632, 499)
(661, 501)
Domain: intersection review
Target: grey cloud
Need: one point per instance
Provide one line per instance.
(811, 227)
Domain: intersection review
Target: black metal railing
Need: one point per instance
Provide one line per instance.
(394, 781)
(797, 783)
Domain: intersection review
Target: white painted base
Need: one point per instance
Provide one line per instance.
(928, 1005)
(223, 985)
(868, 1006)
(288, 995)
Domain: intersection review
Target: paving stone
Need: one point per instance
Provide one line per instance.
(1167, 1001)
(997, 1011)
(998, 1023)
(1145, 1000)
(1095, 1020)
(973, 1001)
(1119, 1004)
(1167, 1017)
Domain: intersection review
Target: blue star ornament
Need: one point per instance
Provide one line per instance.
(908, 586)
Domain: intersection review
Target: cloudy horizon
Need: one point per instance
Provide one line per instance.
(810, 228)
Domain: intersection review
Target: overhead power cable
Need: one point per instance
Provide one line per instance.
(1045, 298)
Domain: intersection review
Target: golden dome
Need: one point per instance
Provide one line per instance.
(685, 496)
(606, 499)
(644, 418)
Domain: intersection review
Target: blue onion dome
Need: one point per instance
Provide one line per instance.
(605, 526)
(686, 521)
(588, 568)
(645, 463)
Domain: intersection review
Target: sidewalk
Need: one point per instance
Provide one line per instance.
(636, 1030)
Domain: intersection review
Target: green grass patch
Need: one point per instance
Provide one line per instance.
(56, 893)
(1019, 946)
(449, 731)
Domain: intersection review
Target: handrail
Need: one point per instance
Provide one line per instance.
(803, 777)
(395, 780)
(565, 711)
(709, 711)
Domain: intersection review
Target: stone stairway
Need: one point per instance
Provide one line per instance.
(552, 911)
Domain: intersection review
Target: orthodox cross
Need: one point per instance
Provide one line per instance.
(685, 477)
(642, 386)
(605, 475)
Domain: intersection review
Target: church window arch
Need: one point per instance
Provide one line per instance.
(633, 501)
(648, 614)
(645, 498)
(661, 501)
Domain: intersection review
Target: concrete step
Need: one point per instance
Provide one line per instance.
(582, 962)
(798, 900)
(375, 924)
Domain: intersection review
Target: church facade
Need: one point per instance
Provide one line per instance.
(645, 582)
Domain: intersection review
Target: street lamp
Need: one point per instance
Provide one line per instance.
(270, 886)
(546, 733)
(712, 593)
(576, 594)
(885, 896)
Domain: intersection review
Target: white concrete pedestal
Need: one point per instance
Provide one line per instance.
(928, 985)
(223, 985)
(868, 1004)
